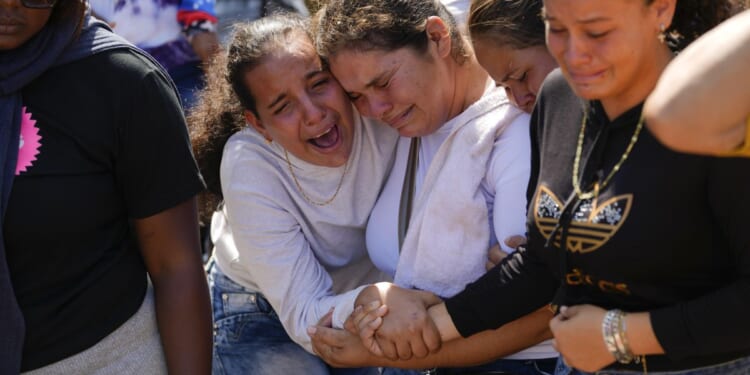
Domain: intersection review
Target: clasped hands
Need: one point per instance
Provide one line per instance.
(389, 322)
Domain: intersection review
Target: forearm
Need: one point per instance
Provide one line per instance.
(380, 291)
(484, 346)
(183, 315)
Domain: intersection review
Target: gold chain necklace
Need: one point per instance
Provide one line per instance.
(307, 197)
(577, 161)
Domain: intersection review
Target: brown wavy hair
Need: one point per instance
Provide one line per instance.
(517, 23)
(386, 25)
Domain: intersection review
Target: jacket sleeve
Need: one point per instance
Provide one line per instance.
(508, 175)
(519, 285)
(716, 322)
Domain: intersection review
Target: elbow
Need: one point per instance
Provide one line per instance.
(672, 131)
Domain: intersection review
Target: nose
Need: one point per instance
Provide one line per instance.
(518, 93)
(576, 51)
(314, 112)
(374, 106)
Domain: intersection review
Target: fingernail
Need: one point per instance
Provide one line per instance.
(311, 330)
(374, 304)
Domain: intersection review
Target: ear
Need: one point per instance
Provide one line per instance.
(664, 12)
(253, 121)
(439, 33)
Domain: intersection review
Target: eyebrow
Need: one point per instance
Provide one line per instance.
(373, 81)
(593, 20)
(281, 97)
(546, 17)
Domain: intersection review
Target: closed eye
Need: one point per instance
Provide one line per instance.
(597, 35)
(280, 109)
(320, 82)
(521, 78)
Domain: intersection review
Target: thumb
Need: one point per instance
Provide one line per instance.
(568, 312)
(327, 336)
(327, 319)
(515, 241)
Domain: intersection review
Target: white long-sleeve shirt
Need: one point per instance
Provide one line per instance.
(304, 258)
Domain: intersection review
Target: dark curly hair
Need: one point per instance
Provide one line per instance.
(517, 23)
(386, 25)
(219, 112)
(692, 18)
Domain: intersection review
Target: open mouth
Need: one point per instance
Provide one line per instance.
(327, 139)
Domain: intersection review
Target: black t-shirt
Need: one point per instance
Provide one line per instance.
(103, 141)
(666, 235)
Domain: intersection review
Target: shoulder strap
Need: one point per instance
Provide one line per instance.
(407, 191)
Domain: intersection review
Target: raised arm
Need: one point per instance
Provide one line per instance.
(702, 101)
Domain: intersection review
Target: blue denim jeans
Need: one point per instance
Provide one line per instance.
(739, 366)
(249, 338)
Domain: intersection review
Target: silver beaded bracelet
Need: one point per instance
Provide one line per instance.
(613, 330)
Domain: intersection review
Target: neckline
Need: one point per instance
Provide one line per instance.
(598, 117)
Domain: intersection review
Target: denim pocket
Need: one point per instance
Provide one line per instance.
(233, 303)
(241, 316)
